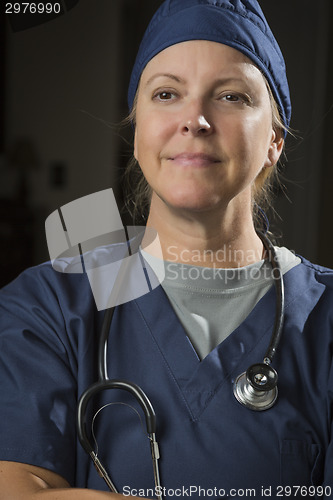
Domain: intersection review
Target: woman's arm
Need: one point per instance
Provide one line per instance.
(20, 481)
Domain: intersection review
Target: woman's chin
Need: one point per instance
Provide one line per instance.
(192, 202)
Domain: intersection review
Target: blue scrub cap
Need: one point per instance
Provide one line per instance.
(240, 24)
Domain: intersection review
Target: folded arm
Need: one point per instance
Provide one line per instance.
(20, 481)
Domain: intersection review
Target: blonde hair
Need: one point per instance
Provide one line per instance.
(268, 178)
(138, 192)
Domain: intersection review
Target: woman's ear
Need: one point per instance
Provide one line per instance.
(275, 149)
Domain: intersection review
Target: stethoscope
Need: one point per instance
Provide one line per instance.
(256, 389)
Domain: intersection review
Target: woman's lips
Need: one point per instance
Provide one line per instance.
(194, 159)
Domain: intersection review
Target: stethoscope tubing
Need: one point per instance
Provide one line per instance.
(280, 300)
(150, 419)
(103, 345)
(100, 386)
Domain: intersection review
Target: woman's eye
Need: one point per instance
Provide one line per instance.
(232, 97)
(235, 98)
(164, 96)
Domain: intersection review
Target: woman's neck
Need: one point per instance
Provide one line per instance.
(220, 239)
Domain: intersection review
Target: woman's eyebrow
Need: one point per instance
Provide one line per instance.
(178, 79)
(165, 75)
(230, 79)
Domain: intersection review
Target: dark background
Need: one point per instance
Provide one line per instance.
(63, 94)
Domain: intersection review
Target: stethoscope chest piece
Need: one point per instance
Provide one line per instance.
(256, 388)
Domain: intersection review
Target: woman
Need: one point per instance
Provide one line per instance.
(205, 91)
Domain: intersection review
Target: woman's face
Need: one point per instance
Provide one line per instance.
(203, 126)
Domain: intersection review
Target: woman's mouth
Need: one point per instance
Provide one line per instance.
(194, 159)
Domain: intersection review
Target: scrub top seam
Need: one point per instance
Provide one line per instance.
(212, 295)
(55, 337)
(170, 372)
(315, 267)
(298, 295)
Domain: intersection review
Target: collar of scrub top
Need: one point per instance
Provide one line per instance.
(240, 24)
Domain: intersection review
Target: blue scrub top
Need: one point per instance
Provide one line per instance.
(210, 445)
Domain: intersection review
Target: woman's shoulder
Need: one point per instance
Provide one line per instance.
(314, 282)
(65, 275)
(85, 280)
(44, 293)
(41, 277)
(320, 272)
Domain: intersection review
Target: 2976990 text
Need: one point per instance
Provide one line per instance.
(32, 8)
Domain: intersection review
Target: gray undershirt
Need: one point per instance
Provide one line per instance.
(212, 303)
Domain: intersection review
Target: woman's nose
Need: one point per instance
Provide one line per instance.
(196, 122)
